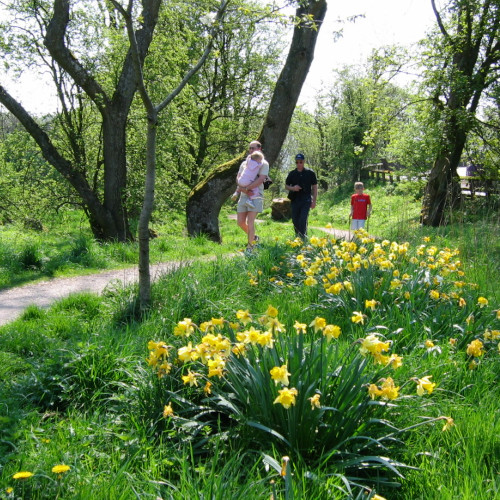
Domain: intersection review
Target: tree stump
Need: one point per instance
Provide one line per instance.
(281, 209)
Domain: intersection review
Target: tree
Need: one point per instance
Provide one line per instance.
(108, 218)
(153, 112)
(463, 63)
(205, 200)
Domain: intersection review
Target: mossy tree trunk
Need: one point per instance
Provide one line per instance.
(206, 199)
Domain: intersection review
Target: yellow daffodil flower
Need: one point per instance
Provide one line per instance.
(244, 316)
(358, 317)
(482, 301)
(190, 378)
(331, 332)
(168, 411)
(286, 397)
(318, 324)
(208, 388)
(475, 348)
(272, 312)
(280, 375)
(370, 304)
(425, 384)
(449, 423)
(315, 403)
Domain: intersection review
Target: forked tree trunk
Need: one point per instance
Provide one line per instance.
(206, 199)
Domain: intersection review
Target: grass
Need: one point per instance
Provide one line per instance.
(76, 388)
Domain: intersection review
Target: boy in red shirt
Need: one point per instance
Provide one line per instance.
(361, 207)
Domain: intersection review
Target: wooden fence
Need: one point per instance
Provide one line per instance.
(471, 186)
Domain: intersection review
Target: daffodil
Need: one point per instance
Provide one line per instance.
(190, 378)
(373, 345)
(168, 411)
(482, 301)
(425, 384)
(449, 423)
(244, 316)
(358, 317)
(370, 304)
(315, 403)
(208, 388)
(429, 344)
(310, 281)
(332, 332)
(300, 327)
(318, 324)
(475, 348)
(286, 397)
(280, 375)
(271, 311)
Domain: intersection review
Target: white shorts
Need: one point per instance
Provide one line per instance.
(258, 202)
(357, 223)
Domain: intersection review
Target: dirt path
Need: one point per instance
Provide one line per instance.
(14, 301)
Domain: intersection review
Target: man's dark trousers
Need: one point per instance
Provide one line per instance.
(300, 212)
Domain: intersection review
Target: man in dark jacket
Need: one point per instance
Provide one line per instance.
(302, 187)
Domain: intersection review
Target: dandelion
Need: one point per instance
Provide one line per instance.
(332, 332)
(482, 301)
(424, 384)
(475, 348)
(22, 475)
(358, 317)
(280, 374)
(315, 401)
(318, 324)
(168, 411)
(370, 304)
(286, 397)
(9, 490)
(60, 469)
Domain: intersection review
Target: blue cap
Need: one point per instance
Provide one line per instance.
(300, 156)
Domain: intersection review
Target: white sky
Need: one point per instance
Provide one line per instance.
(386, 22)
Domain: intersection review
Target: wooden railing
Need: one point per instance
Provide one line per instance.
(471, 186)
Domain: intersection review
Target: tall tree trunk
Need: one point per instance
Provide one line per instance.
(206, 199)
(443, 192)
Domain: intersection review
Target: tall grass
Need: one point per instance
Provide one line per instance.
(76, 387)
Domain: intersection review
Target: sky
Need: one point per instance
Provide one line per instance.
(386, 22)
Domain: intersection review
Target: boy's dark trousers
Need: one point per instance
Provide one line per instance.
(300, 213)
